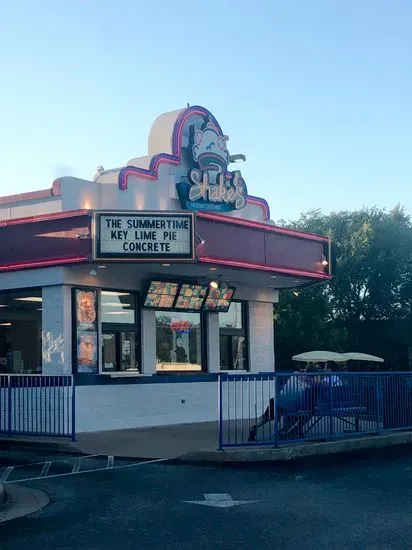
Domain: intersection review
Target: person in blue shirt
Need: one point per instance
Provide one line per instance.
(293, 397)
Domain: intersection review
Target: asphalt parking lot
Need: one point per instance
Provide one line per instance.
(349, 502)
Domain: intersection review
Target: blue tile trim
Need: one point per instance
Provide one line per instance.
(100, 380)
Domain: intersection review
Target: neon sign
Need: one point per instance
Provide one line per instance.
(183, 327)
(210, 186)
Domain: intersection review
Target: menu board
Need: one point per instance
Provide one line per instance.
(191, 297)
(219, 299)
(161, 294)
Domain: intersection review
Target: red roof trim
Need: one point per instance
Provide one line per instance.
(45, 217)
(33, 195)
(44, 263)
(264, 226)
(262, 267)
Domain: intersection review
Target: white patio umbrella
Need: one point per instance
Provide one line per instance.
(319, 357)
(355, 356)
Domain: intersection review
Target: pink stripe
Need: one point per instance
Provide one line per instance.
(247, 265)
(45, 217)
(261, 204)
(44, 263)
(259, 225)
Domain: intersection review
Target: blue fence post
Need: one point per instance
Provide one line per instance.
(275, 411)
(220, 401)
(330, 405)
(377, 414)
(9, 406)
(73, 409)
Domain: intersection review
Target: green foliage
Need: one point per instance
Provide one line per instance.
(372, 279)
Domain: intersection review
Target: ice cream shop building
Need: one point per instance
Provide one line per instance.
(149, 280)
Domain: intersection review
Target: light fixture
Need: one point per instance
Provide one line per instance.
(114, 293)
(93, 272)
(29, 299)
(39, 309)
(83, 235)
(166, 265)
(114, 304)
(273, 276)
(212, 268)
(102, 266)
(116, 312)
(237, 158)
(214, 285)
(296, 281)
(324, 261)
(3, 305)
(295, 293)
(5, 324)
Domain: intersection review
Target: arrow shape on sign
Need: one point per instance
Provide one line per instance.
(219, 500)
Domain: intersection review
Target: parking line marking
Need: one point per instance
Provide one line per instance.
(45, 469)
(110, 462)
(95, 470)
(6, 473)
(76, 465)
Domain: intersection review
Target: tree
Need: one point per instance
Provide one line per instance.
(372, 279)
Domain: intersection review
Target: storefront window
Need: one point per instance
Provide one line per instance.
(117, 307)
(120, 332)
(232, 336)
(178, 341)
(120, 351)
(20, 331)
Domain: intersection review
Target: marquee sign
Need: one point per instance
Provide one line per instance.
(209, 185)
(143, 236)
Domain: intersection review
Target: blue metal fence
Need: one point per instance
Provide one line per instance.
(37, 405)
(280, 408)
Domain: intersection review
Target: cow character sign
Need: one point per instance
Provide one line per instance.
(210, 185)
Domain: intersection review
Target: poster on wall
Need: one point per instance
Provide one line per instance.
(86, 330)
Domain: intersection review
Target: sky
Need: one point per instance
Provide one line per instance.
(316, 93)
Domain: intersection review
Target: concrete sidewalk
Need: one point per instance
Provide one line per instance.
(141, 443)
(157, 442)
(197, 442)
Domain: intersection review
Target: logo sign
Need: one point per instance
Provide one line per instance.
(209, 185)
(143, 236)
(181, 326)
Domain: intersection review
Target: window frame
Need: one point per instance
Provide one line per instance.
(30, 290)
(203, 339)
(117, 328)
(136, 298)
(244, 331)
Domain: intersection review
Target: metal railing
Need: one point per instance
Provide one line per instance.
(280, 408)
(38, 405)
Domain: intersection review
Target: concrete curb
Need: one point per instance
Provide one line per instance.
(241, 455)
(298, 451)
(38, 445)
(22, 501)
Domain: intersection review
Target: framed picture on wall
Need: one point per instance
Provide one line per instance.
(85, 331)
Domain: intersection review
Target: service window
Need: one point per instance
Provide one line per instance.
(120, 332)
(233, 338)
(178, 341)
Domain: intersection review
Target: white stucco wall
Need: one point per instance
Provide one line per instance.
(56, 330)
(261, 337)
(37, 207)
(111, 407)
